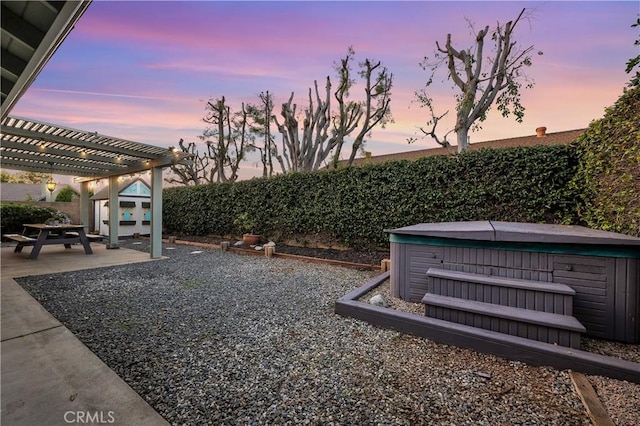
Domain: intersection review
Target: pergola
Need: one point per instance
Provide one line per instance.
(31, 32)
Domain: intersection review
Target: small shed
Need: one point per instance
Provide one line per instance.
(134, 205)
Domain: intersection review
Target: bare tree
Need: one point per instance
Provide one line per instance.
(324, 134)
(226, 144)
(378, 91)
(261, 116)
(193, 173)
(304, 150)
(482, 81)
(231, 139)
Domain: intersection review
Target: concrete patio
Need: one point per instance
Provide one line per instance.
(48, 375)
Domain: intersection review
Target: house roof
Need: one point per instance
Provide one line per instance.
(30, 191)
(103, 194)
(22, 191)
(557, 138)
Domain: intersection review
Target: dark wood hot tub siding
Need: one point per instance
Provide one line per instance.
(607, 300)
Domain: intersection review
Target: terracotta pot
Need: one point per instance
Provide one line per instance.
(250, 239)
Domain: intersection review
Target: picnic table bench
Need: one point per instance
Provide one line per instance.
(26, 241)
(90, 237)
(65, 234)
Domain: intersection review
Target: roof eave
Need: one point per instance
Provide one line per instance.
(61, 27)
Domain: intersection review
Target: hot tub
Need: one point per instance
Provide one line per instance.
(602, 267)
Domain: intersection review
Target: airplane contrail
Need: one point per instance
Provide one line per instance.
(115, 95)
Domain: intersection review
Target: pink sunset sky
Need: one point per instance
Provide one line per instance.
(144, 70)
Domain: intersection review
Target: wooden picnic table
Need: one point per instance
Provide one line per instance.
(66, 234)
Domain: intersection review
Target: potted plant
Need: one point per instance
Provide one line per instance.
(247, 224)
(58, 218)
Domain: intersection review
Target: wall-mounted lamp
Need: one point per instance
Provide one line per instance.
(51, 184)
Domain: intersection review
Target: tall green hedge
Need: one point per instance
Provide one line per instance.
(354, 205)
(13, 216)
(608, 177)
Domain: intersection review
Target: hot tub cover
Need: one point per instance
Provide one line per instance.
(489, 230)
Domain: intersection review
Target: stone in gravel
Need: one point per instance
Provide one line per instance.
(483, 374)
(258, 248)
(238, 243)
(379, 300)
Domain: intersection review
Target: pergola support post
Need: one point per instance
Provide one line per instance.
(84, 206)
(156, 212)
(114, 211)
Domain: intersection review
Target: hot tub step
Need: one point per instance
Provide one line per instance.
(563, 330)
(518, 293)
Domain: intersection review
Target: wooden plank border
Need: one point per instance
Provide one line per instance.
(595, 410)
(362, 266)
(510, 347)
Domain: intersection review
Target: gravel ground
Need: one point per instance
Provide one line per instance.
(213, 337)
(621, 399)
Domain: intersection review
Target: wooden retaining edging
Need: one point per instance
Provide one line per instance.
(352, 265)
(510, 347)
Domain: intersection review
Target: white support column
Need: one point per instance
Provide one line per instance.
(114, 213)
(84, 206)
(156, 212)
